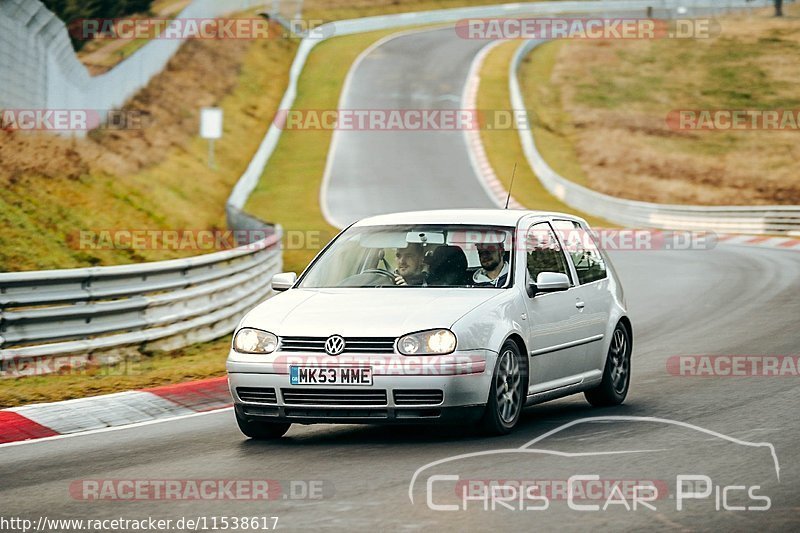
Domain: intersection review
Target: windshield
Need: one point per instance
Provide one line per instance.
(415, 256)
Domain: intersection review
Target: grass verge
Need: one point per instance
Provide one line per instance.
(503, 146)
(549, 122)
(601, 110)
(153, 178)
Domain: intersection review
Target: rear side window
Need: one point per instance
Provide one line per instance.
(581, 247)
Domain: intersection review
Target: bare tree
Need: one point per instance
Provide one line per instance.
(778, 8)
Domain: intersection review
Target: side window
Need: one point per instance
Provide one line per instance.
(581, 247)
(543, 252)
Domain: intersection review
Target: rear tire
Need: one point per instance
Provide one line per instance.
(506, 393)
(617, 373)
(262, 430)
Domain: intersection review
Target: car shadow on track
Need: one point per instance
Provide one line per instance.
(535, 421)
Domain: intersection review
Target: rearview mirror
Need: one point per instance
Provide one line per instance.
(283, 281)
(423, 237)
(550, 282)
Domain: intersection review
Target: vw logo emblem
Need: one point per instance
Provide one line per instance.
(334, 345)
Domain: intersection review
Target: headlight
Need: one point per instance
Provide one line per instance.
(433, 342)
(249, 340)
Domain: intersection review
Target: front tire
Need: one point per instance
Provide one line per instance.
(506, 393)
(262, 430)
(617, 373)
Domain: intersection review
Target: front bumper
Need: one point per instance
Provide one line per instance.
(439, 415)
(399, 393)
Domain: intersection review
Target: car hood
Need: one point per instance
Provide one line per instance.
(364, 312)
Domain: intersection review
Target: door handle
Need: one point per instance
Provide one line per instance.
(579, 304)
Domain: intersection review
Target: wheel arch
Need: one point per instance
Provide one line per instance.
(516, 338)
(625, 321)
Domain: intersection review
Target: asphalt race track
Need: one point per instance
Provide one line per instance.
(726, 300)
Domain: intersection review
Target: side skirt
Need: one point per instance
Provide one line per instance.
(564, 387)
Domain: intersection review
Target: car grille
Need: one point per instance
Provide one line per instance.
(257, 395)
(351, 344)
(333, 397)
(418, 397)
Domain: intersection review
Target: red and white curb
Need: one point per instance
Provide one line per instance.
(782, 243)
(119, 409)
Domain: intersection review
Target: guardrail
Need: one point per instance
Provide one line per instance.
(773, 219)
(92, 314)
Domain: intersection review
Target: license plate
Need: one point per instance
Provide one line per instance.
(319, 375)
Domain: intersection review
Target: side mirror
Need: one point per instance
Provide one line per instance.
(549, 282)
(283, 281)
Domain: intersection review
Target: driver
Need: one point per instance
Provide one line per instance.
(410, 261)
(494, 269)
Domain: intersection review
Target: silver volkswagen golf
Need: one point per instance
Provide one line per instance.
(462, 316)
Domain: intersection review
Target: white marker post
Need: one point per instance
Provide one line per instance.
(211, 128)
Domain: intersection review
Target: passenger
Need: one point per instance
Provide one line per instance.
(494, 268)
(410, 262)
(447, 266)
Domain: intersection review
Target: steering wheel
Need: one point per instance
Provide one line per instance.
(380, 271)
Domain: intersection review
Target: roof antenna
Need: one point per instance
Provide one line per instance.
(513, 173)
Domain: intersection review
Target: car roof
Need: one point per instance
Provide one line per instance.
(491, 217)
